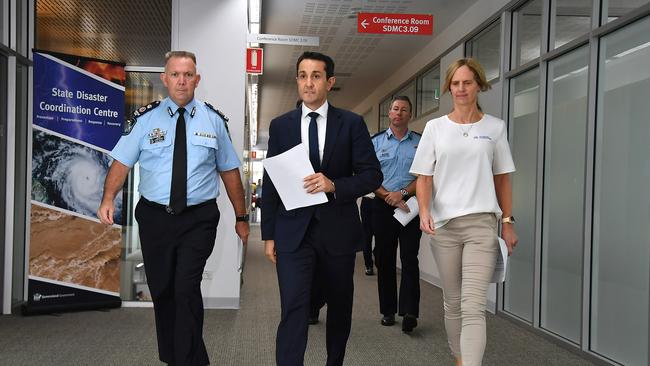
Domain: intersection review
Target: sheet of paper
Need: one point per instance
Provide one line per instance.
(405, 217)
(502, 263)
(287, 171)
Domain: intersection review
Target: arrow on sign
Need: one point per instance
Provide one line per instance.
(364, 24)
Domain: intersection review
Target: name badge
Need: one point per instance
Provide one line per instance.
(205, 134)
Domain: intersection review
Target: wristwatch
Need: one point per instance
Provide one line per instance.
(404, 192)
(243, 218)
(508, 220)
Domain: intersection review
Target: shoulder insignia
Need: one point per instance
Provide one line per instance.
(222, 115)
(144, 109)
(128, 126)
(417, 133)
(130, 123)
(378, 133)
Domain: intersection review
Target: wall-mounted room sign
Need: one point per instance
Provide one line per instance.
(386, 23)
(283, 39)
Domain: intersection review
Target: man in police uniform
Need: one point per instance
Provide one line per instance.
(395, 148)
(177, 212)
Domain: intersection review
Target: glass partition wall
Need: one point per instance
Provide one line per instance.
(576, 100)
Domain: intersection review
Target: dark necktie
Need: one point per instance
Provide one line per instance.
(314, 155)
(178, 192)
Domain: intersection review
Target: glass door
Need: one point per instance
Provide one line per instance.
(564, 195)
(620, 286)
(524, 134)
(142, 88)
(20, 186)
(3, 168)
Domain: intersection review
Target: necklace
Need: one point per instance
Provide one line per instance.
(466, 132)
(460, 125)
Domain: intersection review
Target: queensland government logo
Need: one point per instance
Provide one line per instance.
(38, 297)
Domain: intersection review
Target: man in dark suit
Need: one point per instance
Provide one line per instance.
(321, 239)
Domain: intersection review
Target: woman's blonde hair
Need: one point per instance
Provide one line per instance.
(474, 66)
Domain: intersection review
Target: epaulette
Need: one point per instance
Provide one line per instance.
(222, 115)
(378, 133)
(417, 133)
(130, 123)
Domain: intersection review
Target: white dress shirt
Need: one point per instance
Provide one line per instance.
(321, 122)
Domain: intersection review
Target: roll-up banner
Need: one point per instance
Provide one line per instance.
(74, 260)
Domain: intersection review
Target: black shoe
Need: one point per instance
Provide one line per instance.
(408, 323)
(388, 320)
(370, 271)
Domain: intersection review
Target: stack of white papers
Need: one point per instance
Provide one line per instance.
(405, 217)
(502, 263)
(287, 171)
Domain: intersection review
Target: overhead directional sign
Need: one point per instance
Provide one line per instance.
(283, 39)
(387, 23)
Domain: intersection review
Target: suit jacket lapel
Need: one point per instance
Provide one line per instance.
(334, 124)
(294, 132)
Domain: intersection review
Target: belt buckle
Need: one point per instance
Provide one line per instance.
(169, 210)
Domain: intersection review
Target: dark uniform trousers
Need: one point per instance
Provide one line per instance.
(387, 232)
(175, 249)
(296, 271)
(366, 221)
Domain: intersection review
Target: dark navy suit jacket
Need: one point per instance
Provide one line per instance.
(348, 160)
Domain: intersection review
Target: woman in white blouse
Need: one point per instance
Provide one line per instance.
(463, 189)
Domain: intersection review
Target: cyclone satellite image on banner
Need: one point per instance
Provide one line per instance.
(69, 175)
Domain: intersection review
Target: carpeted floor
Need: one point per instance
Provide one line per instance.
(247, 336)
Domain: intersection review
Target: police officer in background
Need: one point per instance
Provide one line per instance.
(181, 144)
(395, 148)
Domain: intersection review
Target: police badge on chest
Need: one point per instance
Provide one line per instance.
(157, 135)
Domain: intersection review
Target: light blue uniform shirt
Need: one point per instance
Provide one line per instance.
(151, 141)
(396, 157)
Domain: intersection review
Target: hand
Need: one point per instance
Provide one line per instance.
(269, 250)
(403, 206)
(242, 229)
(426, 222)
(509, 236)
(318, 182)
(105, 212)
(394, 198)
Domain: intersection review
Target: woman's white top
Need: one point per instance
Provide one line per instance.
(463, 159)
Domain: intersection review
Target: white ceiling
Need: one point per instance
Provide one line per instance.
(362, 60)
